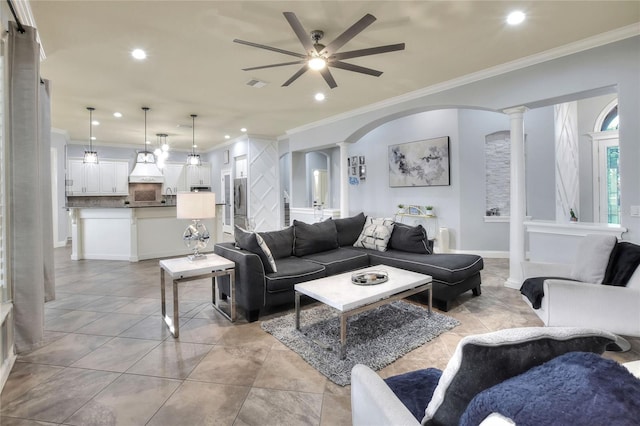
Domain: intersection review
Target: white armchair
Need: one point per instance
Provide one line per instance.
(586, 304)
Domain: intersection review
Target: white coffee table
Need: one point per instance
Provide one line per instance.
(340, 293)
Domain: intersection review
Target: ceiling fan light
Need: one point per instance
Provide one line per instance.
(317, 63)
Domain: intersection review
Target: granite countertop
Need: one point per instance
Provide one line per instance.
(122, 206)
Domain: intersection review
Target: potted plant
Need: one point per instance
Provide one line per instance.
(400, 208)
(428, 210)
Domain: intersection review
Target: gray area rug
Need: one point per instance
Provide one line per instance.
(375, 338)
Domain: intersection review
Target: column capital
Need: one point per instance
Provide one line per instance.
(516, 110)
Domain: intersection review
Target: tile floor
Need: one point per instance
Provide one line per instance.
(108, 359)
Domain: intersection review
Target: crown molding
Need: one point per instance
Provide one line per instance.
(558, 52)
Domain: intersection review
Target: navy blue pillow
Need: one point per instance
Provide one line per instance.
(415, 389)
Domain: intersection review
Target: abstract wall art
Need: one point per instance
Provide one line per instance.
(420, 163)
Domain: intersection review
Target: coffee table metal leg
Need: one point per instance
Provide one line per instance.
(297, 311)
(343, 336)
(163, 303)
(430, 299)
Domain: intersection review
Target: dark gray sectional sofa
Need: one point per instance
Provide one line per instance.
(304, 252)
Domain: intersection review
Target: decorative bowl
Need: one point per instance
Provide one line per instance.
(369, 277)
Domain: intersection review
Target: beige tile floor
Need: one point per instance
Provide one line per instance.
(108, 359)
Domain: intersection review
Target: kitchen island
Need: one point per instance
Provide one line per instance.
(132, 233)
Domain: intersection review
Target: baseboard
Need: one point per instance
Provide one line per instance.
(6, 367)
(60, 244)
(490, 254)
(510, 283)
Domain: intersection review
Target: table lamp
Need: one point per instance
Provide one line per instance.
(196, 206)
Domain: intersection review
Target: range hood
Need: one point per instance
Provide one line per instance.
(145, 170)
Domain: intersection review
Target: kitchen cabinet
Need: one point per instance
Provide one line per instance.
(174, 178)
(114, 177)
(84, 179)
(105, 178)
(199, 175)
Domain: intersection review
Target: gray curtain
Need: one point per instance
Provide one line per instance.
(30, 227)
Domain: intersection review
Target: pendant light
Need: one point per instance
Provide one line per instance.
(145, 156)
(193, 159)
(91, 156)
(162, 151)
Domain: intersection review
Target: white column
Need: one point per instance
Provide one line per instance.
(344, 179)
(518, 198)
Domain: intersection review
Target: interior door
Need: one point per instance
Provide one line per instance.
(227, 188)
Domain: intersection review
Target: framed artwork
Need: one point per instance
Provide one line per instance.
(362, 171)
(354, 170)
(354, 160)
(361, 159)
(420, 163)
(225, 156)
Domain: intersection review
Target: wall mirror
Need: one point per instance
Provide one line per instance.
(318, 178)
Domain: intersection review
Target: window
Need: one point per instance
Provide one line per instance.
(606, 166)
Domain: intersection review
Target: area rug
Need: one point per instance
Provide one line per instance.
(375, 338)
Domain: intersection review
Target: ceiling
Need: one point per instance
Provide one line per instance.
(194, 67)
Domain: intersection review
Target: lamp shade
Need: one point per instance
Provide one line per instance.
(196, 205)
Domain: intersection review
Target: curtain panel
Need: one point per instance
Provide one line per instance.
(30, 215)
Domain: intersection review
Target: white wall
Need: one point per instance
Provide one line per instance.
(59, 141)
(614, 64)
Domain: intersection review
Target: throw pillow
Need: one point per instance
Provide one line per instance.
(412, 239)
(309, 238)
(484, 360)
(592, 258)
(375, 234)
(267, 252)
(349, 229)
(247, 241)
(624, 261)
(280, 242)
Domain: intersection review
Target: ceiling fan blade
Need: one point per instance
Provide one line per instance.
(297, 27)
(369, 51)
(350, 33)
(355, 68)
(326, 74)
(296, 75)
(274, 65)
(274, 49)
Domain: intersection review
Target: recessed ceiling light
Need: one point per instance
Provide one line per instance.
(195, 146)
(319, 96)
(148, 142)
(227, 137)
(93, 138)
(139, 54)
(244, 129)
(117, 114)
(95, 122)
(516, 17)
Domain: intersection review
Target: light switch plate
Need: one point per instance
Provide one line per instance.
(635, 211)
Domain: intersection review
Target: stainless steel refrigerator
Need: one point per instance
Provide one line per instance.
(240, 211)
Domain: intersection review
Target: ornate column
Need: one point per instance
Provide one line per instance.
(518, 197)
(344, 179)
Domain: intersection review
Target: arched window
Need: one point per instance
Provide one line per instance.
(610, 121)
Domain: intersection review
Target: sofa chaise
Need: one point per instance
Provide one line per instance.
(269, 264)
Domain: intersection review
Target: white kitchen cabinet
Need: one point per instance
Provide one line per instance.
(104, 178)
(114, 177)
(84, 179)
(174, 178)
(199, 175)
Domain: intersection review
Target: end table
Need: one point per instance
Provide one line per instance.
(182, 269)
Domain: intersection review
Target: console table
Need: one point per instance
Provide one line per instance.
(182, 270)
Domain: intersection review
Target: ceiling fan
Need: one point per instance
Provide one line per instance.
(320, 57)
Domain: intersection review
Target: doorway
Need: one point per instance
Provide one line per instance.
(227, 212)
